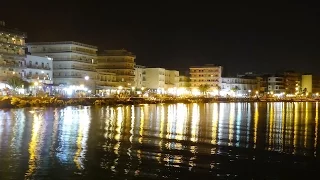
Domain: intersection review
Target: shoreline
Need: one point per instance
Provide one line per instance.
(19, 102)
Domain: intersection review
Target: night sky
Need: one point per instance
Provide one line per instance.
(240, 37)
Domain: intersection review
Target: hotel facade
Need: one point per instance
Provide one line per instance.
(73, 62)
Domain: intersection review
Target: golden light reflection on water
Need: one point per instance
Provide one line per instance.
(173, 135)
(231, 123)
(34, 145)
(195, 122)
(255, 119)
(306, 118)
(316, 127)
(83, 128)
(296, 126)
(214, 126)
(181, 115)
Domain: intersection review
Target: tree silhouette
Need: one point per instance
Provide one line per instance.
(15, 82)
(204, 89)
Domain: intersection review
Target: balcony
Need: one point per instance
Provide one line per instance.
(38, 67)
(38, 76)
(6, 65)
(66, 51)
(68, 76)
(89, 61)
(77, 68)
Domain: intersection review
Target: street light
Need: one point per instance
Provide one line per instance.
(86, 78)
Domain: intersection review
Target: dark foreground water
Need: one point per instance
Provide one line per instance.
(179, 141)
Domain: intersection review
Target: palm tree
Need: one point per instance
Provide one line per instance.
(204, 89)
(15, 82)
(235, 89)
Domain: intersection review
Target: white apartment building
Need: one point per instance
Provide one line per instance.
(208, 74)
(184, 81)
(238, 85)
(161, 79)
(171, 79)
(12, 53)
(155, 78)
(73, 62)
(119, 62)
(276, 84)
(139, 76)
(39, 69)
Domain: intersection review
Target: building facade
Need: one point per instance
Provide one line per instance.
(276, 84)
(242, 86)
(39, 69)
(12, 52)
(73, 62)
(171, 79)
(184, 81)
(155, 79)
(119, 62)
(206, 75)
(310, 84)
(292, 80)
(139, 76)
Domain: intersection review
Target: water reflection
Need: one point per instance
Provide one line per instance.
(158, 141)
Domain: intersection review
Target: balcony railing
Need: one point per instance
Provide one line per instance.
(77, 68)
(74, 59)
(38, 67)
(12, 66)
(66, 51)
(68, 76)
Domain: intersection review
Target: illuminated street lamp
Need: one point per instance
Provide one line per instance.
(86, 78)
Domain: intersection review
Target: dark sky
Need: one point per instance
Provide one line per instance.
(240, 37)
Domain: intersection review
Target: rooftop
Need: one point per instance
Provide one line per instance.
(121, 52)
(14, 31)
(63, 42)
(206, 66)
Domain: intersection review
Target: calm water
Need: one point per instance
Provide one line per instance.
(179, 141)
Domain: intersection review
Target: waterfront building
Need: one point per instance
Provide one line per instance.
(139, 76)
(184, 81)
(292, 82)
(208, 74)
(276, 84)
(155, 79)
(12, 52)
(239, 86)
(310, 84)
(171, 79)
(73, 62)
(121, 63)
(39, 69)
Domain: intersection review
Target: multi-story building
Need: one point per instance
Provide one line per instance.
(12, 52)
(39, 69)
(310, 84)
(276, 84)
(120, 62)
(73, 62)
(239, 85)
(171, 79)
(139, 76)
(155, 79)
(262, 81)
(292, 80)
(184, 81)
(206, 75)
